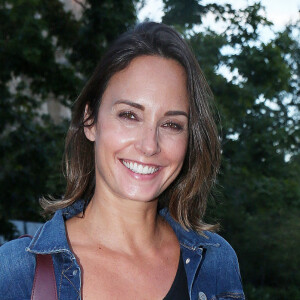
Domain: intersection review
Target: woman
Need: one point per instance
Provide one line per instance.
(142, 153)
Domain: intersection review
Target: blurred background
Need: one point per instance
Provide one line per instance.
(48, 50)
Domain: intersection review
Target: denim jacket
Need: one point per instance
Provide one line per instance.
(211, 264)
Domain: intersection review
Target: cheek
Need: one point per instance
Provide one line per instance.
(175, 148)
(180, 152)
(114, 135)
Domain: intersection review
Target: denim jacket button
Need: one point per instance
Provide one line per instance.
(201, 296)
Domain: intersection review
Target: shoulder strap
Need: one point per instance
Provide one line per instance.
(44, 283)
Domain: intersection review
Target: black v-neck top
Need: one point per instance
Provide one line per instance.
(179, 288)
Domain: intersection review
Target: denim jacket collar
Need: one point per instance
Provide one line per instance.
(51, 237)
(187, 238)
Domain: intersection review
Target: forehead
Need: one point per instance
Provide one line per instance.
(150, 80)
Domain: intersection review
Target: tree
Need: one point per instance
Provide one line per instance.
(257, 98)
(46, 52)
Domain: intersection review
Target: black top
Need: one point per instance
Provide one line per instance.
(179, 288)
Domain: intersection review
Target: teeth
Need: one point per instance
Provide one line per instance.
(140, 169)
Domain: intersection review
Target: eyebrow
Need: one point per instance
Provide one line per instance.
(130, 103)
(141, 107)
(176, 113)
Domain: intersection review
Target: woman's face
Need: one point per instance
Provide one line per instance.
(142, 129)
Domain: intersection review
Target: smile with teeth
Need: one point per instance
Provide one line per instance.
(138, 168)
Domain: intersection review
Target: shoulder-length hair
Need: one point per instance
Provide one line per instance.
(186, 197)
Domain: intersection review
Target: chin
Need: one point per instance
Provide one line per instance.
(141, 198)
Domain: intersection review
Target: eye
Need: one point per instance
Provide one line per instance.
(128, 115)
(173, 126)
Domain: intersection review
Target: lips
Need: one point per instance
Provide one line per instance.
(139, 168)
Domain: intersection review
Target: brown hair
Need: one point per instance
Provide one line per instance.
(187, 196)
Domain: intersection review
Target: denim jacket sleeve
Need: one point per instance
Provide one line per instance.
(17, 268)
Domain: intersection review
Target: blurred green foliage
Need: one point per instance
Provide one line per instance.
(46, 52)
(257, 92)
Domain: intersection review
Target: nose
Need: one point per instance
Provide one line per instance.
(148, 142)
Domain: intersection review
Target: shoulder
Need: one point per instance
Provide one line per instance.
(14, 254)
(219, 246)
(212, 244)
(212, 259)
(219, 251)
(17, 268)
(220, 262)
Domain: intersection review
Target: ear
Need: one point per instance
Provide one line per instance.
(89, 129)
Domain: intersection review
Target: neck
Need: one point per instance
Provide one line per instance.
(124, 225)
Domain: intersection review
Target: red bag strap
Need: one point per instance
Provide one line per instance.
(44, 283)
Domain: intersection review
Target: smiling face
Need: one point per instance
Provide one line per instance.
(142, 129)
